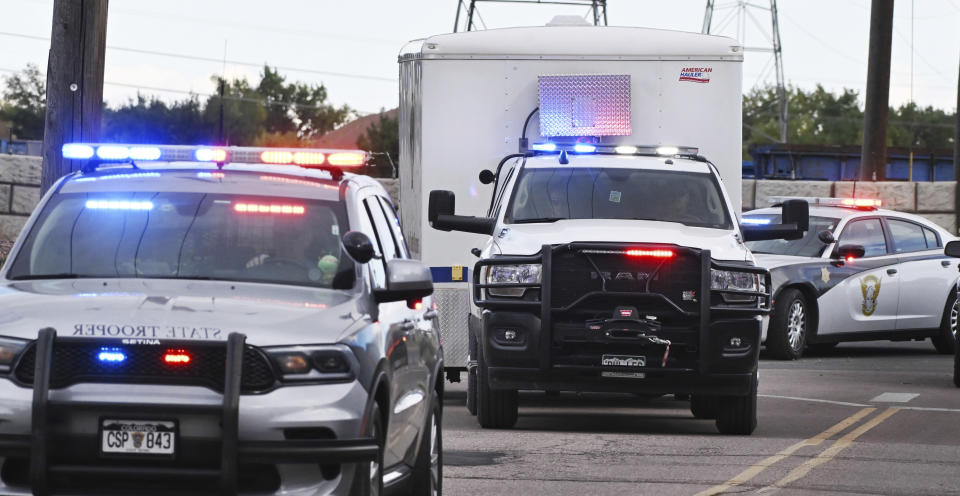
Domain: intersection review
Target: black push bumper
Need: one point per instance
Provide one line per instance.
(714, 345)
(51, 454)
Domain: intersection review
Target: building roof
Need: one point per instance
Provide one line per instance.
(346, 135)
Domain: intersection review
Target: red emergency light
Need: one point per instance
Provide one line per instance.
(649, 253)
(347, 159)
(264, 208)
(861, 202)
(177, 357)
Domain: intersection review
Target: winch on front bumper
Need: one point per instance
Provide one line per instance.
(605, 315)
(64, 448)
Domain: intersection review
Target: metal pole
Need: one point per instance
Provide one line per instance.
(956, 151)
(220, 140)
(784, 123)
(470, 15)
(707, 17)
(873, 160)
(74, 82)
(456, 20)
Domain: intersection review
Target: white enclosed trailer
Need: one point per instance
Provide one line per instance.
(465, 97)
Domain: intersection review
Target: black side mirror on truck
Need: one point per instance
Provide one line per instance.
(795, 220)
(440, 214)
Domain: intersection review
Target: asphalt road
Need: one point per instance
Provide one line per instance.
(825, 427)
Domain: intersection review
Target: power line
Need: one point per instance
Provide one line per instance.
(217, 60)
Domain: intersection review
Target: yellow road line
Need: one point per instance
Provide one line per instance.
(762, 465)
(838, 446)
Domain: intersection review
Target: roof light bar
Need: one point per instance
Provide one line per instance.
(305, 157)
(666, 151)
(861, 203)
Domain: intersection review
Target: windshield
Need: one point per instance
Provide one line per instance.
(189, 236)
(807, 246)
(551, 194)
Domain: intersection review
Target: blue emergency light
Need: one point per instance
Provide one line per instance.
(111, 355)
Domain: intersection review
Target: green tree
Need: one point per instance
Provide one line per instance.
(150, 120)
(383, 139)
(297, 107)
(920, 127)
(244, 114)
(25, 102)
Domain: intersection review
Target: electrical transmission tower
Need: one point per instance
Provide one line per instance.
(742, 11)
(472, 19)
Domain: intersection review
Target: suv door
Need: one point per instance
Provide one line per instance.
(400, 328)
(925, 276)
(868, 298)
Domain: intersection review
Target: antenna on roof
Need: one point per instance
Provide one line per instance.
(598, 12)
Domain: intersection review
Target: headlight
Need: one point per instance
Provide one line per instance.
(517, 274)
(10, 349)
(315, 363)
(737, 281)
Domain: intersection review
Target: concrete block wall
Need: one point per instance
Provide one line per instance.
(933, 200)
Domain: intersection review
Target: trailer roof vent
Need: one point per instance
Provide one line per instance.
(568, 20)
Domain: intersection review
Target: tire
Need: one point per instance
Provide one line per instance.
(496, 409)
(737, 415)
(472, 375)
(428, 470)
(703, 407)
(787, 334)
(946, 341)
(370, 475)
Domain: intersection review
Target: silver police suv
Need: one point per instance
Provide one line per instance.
(201, 320)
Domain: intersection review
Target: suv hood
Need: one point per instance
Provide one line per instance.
(176, 310)
(526, 239)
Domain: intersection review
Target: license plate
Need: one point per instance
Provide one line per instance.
(628, 361)
(139, 437)
(627, 375)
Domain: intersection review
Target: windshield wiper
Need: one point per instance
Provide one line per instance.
(63, 275)
(538, 220)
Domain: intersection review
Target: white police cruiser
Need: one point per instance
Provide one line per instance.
(859, 273)
(199, 320)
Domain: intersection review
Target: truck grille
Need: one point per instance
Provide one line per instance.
(76, 362)
(573, 276)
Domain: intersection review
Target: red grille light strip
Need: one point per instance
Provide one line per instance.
(655, 253)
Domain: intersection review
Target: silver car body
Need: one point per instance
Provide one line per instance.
(135, 311)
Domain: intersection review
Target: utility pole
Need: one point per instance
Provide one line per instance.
(956, 150)
(873, 157)
(74, 82)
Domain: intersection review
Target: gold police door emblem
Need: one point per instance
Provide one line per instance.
(870, 287)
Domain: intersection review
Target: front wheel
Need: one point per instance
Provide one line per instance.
(428, 472)
(737, 415)
(496, 409)
(788, 326)
(946, 341)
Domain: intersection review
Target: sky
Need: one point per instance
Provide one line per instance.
(351, 46)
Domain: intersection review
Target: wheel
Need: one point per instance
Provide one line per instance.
(428, 471)
(946, 341)
(370, 475)
(737, 415)
(496, 409)
(703, 407)
(787, 334)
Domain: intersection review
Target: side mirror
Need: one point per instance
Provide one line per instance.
(487, 176)
(952, 249)
(358, 246)
(795, 215)
(406, 280)
(440, 215)
(850, 252)
(796, 212)
(826, 237)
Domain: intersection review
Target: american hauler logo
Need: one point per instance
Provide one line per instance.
(623, 361)
(696, 74)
